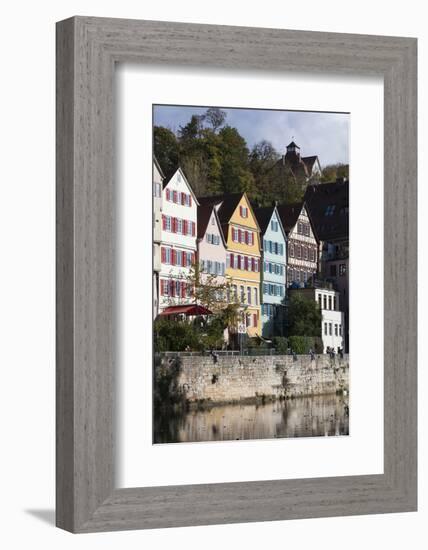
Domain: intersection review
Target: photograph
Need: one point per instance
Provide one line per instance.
(250, 274)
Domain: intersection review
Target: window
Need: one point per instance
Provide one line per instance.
(265, 288)
(179, 226)
(248, 320)
(342, 270)
(242, 291)
(333, 270)
(340, 330)
(256, 296)
(325, 329)
(299, 228)
(248, 294)
(329, 302)
(335, 303)
(291, 250)
(329, 211)
(325, 301)
(243, 211)
(274, 225)
(335, 329)
(330, 329)
(305, 253)
(168, 223)
(312, 253)
(174, 196)
(235, 292)
(320, 300)
(254, 319)
(213, 221)
(298, 251)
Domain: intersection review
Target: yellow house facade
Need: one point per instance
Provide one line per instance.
(243, 260)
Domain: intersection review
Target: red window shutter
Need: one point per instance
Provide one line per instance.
(173, 257)
(240, 211)
(183, 198)
(163, 254)
(253, 264)
(161, 287)
(183, 289)
(163, 222)
(246, 263)
(190, 200)
(185, 227)
(174, 196)
(174, 225)
(232, 261)
(193, 228)
(254, 319)
(193, 257)
(239, 262)
(239, 235)
(168, 195)
(246, 237)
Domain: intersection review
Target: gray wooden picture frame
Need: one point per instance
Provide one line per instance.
(87, 50)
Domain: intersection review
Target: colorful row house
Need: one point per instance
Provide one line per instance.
(178, 241)
(243, 259)
(302, 244)
(274, 272)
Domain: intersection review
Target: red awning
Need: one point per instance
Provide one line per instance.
(186, 310)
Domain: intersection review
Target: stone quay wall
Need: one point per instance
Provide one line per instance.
(198, 379)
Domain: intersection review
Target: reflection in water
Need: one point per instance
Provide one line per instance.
(320, 415)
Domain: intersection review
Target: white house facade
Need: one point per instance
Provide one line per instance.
(158, 178)
(178, 241)
(332, 318)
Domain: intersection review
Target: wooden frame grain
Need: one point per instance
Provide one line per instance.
(87, 50)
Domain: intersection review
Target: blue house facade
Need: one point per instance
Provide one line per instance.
(274, 271)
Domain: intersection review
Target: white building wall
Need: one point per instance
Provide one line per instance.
(333, 320)
(174, 237)
(302, 266)
(157, 234)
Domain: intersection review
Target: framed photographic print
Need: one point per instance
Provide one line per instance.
(236, 274)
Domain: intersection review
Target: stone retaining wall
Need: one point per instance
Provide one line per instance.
(237, 378)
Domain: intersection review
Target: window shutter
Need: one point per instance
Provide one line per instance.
(162, 292)
(183, 289)
(163, 222)
(163, 255)
(185, 227)
(168, 195)
(232, 261)
(183, 198)
(254, 319)
(193, 228)
(190, 200)
(173, 257)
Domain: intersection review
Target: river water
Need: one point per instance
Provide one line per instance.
(323, 415)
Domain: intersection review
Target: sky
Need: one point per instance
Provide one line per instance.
(316, 133)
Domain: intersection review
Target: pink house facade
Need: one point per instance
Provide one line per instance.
(211, 250)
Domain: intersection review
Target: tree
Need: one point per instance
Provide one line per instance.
(235, 174)
(333, 171)
(216, 117)
(304, 316)
(166, 148)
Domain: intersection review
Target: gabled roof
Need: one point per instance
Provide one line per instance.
(289, 214)
(155, 160)
(293, 144)
(310, 161)
(226, 205)
(204, 216)
(172, 174)
(264, 215)
(328, 206)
